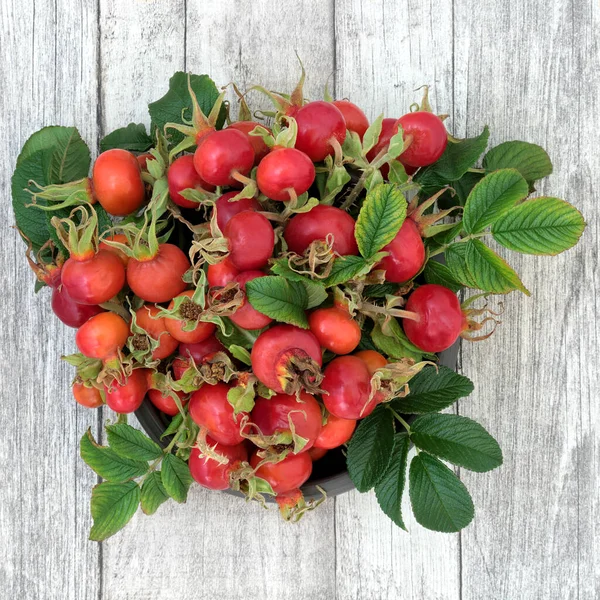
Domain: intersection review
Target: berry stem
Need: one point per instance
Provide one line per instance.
(401, 420)
(392, 312)
(471, 236)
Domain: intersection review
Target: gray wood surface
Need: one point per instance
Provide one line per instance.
(530, 71)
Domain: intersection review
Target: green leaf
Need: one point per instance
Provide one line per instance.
(371, 135)
(439, 499)
(279, 299)
(490, 272)
(112, 506)
(458, 440)
(107, 463)
(316, 293)
(129, 442)
(394, 343)
(457, 159)
(540, 226)
(370, 448)
(133, 138)
(153, 493)
(456, 260)
(530, 160)
(432, 390)
(173, 426)
(494, 195)
(380, 290)
(436, 272)
(241, 354)
(234, 335)
(346, 268)
(176, 477)
(177, 102)
(315, 289)
(391, 487)
(380, 218)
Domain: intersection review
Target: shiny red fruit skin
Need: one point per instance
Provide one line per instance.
(317, 453)
(117, 182)
(222, 273)
(210, 473)
(355, 118)
(70, 312)
(246, 316)
(272, 415)
(316, 224)
(156, 328)
(290, 473)
(335, 329)
(165, 403)
(441, 318)
(158, 279)
(226, 210)
(406, 254)
(373, 360)
(182, 176)
(202, 331)
(221, 153)
(210, 408)
(87, 396)
(335, 432)
(274, 347)
(258, 144)
(127, 397)
(319, 122)
(284, 169)
(251, 240)
(102, 336)
(201, 350)
(94, 280)
(348, 384)
(430, 138)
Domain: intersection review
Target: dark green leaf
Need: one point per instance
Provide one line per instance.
(153, 493)
(436, 272)
(394, 342)
(177, 102)
(133, 138)
(346, 268)
(279, 299)
(129, 442)
(173, 426)
(369, 449)
(540, 226)
(456, 260)
(391, 487)
(458, 440)
(234, 335)
(493, 196)
(176, 477)
(462, 189)
(432, 390)
(530, 160)
(315, 289)
(107, 463)
(380, 290)
(113, 505)
(439, 499)
(380, 218)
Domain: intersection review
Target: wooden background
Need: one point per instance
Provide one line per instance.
(529, 69)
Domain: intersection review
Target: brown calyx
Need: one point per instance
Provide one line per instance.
(190, 311)
(297, 371)
(140, 341)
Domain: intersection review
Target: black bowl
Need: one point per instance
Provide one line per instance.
(329, 473)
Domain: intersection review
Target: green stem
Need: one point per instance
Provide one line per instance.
(471, 236)
(377, 162)
(401, 420)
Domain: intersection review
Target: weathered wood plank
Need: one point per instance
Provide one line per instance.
(384, 51)
(536, 531)
(48, 77)
(217, 545)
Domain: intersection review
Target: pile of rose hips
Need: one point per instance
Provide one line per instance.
(146, 310)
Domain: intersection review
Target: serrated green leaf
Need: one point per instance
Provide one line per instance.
(439, 499)
(453, 164)
(173, 426)
(314, 289)
(280, 299)
(129, 442)
(456, 261)
(112, 506)
(433, 389)
(315, 292)
(490, 272)
(436, 272)
(394, 343)
(380, 290)
(458, 440)
(346, 268)
(530, 160)
(176, 477)
(234, 335)
(494, 195)
(153, 493)
(540, 226)
(177, 102)
(391, 487)
(107, 463)
(133, 138)
(369, 449)
(380, 218)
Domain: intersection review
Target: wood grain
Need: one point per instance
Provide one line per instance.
(48, 77)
